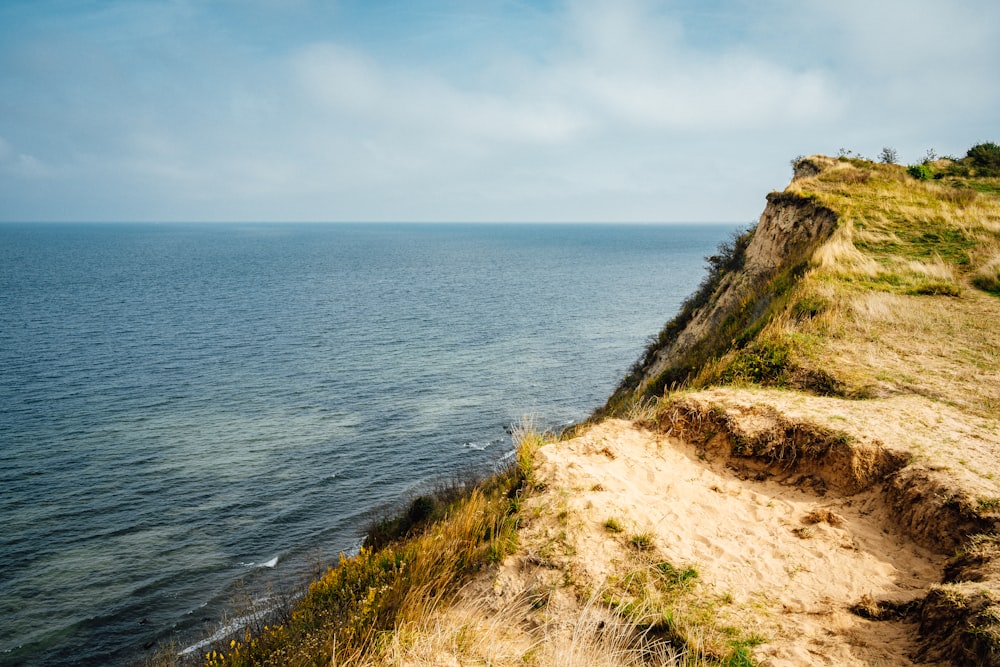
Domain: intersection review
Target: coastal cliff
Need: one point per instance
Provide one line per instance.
(802, 468)
(848, 344)
(751, 273)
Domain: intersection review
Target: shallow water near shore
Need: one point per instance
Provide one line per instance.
(187, 407)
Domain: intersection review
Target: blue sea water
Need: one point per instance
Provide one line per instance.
(190, 411)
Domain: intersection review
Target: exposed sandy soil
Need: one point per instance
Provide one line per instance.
(757, 541)
(777, 557)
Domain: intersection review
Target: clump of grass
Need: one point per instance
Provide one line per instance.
(934, 287)
(421, 511)
(676, 576)
(765, 361)
(810, 306)
(987, 277)
(643, 541)
(528, 440)
(990, 505)
(612, 525)
(960, 196)
(667, 603)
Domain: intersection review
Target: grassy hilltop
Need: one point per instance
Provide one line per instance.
(805, 463)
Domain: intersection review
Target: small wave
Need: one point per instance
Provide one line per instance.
(271, 563)
(261, 609)
(478, 446)
(227, 630)
(355, 547)
(504, 460)
(482, 446)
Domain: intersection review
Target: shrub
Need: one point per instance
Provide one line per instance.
(921, 172)
(762, 362)
(888, 155)
(985, 158)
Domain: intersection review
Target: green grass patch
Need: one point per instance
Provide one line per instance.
(921, 241)
(665, 602)
(764, 362)
(673, 576)
(809, 306)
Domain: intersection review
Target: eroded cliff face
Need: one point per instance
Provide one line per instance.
(789, 230)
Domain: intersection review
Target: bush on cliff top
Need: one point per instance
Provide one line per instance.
(985, 158)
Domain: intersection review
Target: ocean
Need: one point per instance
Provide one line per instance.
(194, 413)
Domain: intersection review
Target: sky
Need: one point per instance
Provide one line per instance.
(457, 110)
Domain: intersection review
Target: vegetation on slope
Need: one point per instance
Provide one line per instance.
(896, 235)
(909, 262)
(349, 614)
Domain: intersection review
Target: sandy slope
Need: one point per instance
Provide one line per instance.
(756, 541)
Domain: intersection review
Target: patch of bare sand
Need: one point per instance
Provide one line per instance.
(783, 558)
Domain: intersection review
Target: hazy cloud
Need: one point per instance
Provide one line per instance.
(20, 164)
(582, 110)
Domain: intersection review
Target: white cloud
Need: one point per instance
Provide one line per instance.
(593, 110)
(892, 36)
(630, 59)
(617, 68)
(720, 95)
(909, 63)
(346, 81)
(21, 165)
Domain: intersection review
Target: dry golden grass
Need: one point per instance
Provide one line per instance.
(987, 276)
(894, 225)
(893, 303)
(472, 631)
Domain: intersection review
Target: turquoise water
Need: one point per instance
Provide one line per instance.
(187, 407)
